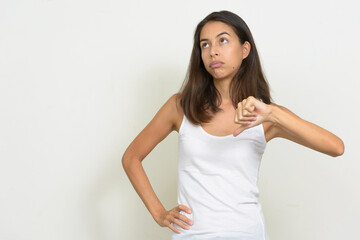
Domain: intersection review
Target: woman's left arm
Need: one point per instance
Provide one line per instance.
(288, 125)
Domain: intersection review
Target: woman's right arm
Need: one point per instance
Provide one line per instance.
(163, 123)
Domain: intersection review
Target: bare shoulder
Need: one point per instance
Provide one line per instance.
(163, 123)
(171, 112)
(276, 131)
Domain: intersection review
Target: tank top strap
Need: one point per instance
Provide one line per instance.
(181, 129)
(185, 126)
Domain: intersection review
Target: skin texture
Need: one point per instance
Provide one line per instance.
(277, 121)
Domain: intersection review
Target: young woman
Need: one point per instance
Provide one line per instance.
(225, 117)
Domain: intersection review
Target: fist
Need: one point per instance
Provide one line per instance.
(249, 113)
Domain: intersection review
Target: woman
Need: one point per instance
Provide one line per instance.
(225, 117)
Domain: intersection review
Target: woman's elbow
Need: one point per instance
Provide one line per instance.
(339, 148)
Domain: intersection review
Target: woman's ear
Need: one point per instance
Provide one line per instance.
(246, 47)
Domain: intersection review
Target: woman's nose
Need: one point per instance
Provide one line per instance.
(214, 51)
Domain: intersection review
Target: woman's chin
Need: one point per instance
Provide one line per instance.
(220, 76)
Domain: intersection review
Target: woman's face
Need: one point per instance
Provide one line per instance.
(221, 51)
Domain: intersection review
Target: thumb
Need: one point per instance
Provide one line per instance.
(239, 130)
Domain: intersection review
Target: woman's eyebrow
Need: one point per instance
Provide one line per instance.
(205, 39)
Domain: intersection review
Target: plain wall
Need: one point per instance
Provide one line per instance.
(80, 79)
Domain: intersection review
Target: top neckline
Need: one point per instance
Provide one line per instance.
(208, 134)
(213, 136)
(230, 136)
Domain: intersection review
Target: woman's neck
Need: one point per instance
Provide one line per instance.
(222, 85)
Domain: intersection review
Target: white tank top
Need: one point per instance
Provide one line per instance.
(217, 179)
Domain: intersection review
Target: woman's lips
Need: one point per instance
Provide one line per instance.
(216, 64)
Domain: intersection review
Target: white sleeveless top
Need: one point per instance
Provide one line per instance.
(217, 180)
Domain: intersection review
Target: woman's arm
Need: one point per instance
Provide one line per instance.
(288, 125)
(159, 127)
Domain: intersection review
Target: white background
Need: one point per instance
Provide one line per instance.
(80, 79)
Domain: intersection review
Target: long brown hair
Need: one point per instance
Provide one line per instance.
(198, 92)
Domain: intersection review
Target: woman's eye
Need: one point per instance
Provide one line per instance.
(223, 40)
(204, 45)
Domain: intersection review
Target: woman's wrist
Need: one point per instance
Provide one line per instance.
(157, 214)
(274, 113)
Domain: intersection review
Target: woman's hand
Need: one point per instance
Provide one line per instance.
(251, 112)
(172, 216)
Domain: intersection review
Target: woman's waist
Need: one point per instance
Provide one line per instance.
(217, 189)
(242, 218)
